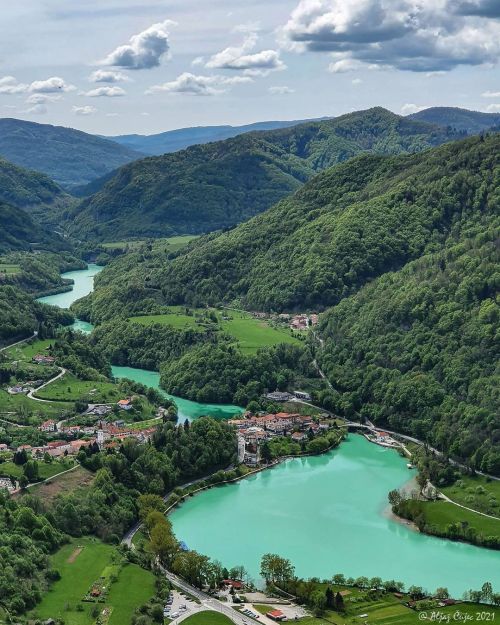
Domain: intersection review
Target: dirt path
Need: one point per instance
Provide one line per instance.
(74, 555)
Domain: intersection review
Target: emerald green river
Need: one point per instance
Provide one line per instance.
(327, 513)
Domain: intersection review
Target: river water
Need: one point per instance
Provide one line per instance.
(83, 285)
(328, 514)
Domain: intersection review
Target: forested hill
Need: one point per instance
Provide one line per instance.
(220, 184)
(182, 138)
(69, 156)
(18, 232)
(417, 349)
(471, 122)
(344, 228)
(24, 188)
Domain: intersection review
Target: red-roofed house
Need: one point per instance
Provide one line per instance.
(276, 615)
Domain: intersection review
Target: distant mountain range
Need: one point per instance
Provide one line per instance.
(68, 156)
(217, 185)
(174, 140)
(471, 122)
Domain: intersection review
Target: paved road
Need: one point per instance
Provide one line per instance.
(62, 372)
(207, 602)
(33, 336)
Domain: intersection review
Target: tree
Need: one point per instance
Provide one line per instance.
(330, 598)
(31, 470)
(442, 593)
(163, 543)
(339, 602)
(265, 452)
(275, 569)
(317, 600)
(486, 592)
(338, 579)
(416, 592)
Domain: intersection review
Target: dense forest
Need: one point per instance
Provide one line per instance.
(471, 122)
(347, 226)
(69, 156)
(417, 349)
(218, 185)
(20, 315)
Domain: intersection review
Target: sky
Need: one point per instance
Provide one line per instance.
(145, 66)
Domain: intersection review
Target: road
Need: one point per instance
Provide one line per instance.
(62, 372)
(33, 336)
(207, 602)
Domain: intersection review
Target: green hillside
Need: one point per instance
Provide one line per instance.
(69, 156)
(20, 232)
(24, 188)
(218, 185)
(471, 122)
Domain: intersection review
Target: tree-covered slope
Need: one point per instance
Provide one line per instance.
(418, 349)
(18, 231)
(182, 138)
(69, 156)
(26, 188)
(471, 122)
(347, 226)
(220, 184)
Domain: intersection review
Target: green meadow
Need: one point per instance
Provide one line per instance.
(477, 493)
(249, 333)
(82, 562)
(207, 618)
(169, 244)
(45, 469)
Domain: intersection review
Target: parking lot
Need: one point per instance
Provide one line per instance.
(179, 605)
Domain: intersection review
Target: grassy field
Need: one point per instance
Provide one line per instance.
(9, 270)
(134, 587)
(62, 485)
(170, 244)
(23, 408)
(69, 388)
(80, 563)
(249, 333)
(45, 469)
(477, 493)
(207, 618)
(442, 513)
(26, 351)
(177, 320)
(392, 612)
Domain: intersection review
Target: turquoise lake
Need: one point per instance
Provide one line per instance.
(329, 514)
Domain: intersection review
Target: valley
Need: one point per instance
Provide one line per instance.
(193, 355)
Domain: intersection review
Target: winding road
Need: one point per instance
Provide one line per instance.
(62, 371)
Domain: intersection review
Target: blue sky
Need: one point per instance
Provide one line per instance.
(123, 66)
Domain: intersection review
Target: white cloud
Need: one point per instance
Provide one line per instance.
(10, 85)
(191, 84)
(347, 64)
(84, 110)
(414, 35)
(144, 50)
(51, 85)
(493, 108)
(281, 90)
(199, 60)
(356, 81)
(242, 58)
(112, 115)
(108, 76)
(408, 109)
(491, 94)
(105, 92)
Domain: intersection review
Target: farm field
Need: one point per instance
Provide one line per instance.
(45, 469)
(82, 562)
(64, 484)
(442, 513)
(25, 408)
(26, 351)
(9, 269)
(477, 493)
(170, 244)
(70, 388)
(393, 612)
(249, 333)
